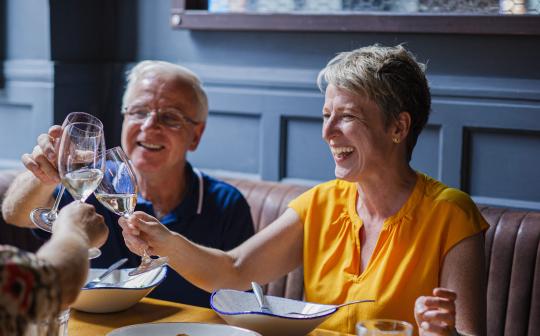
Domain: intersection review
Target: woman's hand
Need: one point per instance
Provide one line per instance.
(42, 161)
(82, 219)
(144, 232)
(436, 315)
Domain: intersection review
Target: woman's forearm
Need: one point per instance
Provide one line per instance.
(68, 253)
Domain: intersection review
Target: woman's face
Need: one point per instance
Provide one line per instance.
(354, 128)
(152, 146)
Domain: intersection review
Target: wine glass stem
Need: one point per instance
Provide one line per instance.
(145, 259)
(54, 210)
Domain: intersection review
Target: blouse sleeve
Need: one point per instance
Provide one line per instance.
(29, 289)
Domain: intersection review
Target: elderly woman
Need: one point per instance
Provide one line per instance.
(381, 230)
(36, 287)
(165, 111)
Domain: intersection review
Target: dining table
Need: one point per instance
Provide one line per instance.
(150, 310)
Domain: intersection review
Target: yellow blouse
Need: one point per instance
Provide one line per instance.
(407, 258)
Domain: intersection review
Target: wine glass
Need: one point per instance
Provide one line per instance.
(118, 193)
(43, 218)
(81, 162)
(383, 327)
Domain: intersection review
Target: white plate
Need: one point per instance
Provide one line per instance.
(175, 328)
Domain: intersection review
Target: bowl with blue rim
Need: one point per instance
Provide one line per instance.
(241, 309)
(118, 291)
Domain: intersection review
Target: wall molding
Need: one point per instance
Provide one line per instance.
(11, 164)
(37, 71)
(305, 80)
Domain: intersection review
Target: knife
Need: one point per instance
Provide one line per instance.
(261, 299)
(109, 270)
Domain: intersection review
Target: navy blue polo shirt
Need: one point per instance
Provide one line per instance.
(213, 214)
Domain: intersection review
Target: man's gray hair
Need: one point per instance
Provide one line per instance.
(170, 71)
(389, 76)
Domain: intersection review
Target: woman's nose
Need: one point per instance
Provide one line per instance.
(329, 128)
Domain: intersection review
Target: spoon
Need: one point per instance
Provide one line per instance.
(109, 270)
(261, 299)
(329, 308)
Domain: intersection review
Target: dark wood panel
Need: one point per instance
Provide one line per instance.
(358, 22)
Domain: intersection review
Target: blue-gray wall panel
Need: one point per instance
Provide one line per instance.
(230, 142)
(27, 36)
(26, 108)
(504, 164)
(426, 155)
(306, 154)
(16, 131)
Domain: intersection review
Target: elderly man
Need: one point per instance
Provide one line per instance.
(164, 109)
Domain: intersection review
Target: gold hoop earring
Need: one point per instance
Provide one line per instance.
(395, 140)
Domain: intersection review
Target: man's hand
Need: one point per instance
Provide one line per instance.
(42, 161)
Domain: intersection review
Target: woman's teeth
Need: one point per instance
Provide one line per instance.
(341, 151)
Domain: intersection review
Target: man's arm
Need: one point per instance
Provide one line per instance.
(34, 187)
(26, 193)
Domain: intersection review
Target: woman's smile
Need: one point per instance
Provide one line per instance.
(341, 153)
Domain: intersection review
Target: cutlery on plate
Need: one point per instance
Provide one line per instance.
(261, 299)
(329, 308)
(109, 270)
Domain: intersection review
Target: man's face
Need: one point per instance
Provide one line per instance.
(151, 145)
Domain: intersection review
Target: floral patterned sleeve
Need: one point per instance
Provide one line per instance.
(29, 290)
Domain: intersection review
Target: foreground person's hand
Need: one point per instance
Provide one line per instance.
(42, 161)
(144, 232)
(82, 219)
(436, 315)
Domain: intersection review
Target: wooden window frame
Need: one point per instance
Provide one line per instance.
(381, 22)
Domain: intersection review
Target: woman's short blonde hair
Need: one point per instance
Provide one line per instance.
(389, 76)
(170, 71)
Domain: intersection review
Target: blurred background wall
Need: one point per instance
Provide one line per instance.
(60, 56)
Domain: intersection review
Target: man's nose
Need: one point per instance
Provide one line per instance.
(152, 120)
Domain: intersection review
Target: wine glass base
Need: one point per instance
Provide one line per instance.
(149, 265)
(42, 219)
(93, 253)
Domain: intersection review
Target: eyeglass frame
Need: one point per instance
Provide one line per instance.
(131, 116)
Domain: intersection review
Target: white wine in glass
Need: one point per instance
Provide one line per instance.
(43, 218)
(118, 193)
(81, 162)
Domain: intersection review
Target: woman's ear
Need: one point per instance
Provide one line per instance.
(402, 127)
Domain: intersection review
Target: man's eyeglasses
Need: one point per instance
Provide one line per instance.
(169, 117)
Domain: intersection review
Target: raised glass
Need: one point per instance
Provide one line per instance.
(118, 193)
(81, 162)
(43, 218)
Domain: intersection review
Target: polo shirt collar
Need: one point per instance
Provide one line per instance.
(190, 206)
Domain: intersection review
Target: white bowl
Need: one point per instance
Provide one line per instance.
(242, 310)
(118, 291)
(178, 328)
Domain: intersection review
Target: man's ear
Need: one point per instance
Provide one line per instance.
(198, 131)
(402, 126)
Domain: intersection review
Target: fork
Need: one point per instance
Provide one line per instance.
(329, 308)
